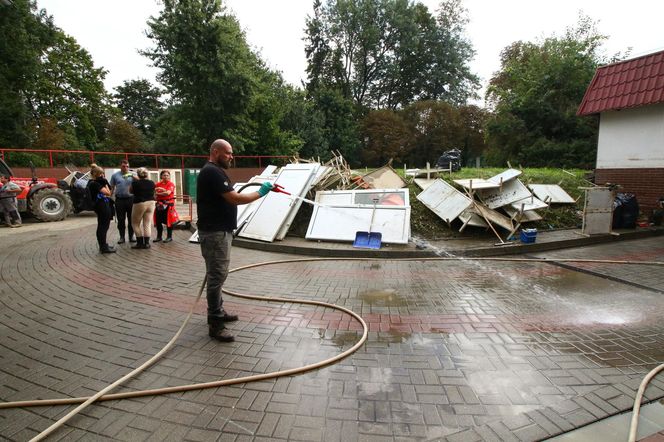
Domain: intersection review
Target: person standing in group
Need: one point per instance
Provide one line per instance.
(8, 192)
(165, 212)
(217, 218)
(100, 192)
(141, 215)
(120, 183)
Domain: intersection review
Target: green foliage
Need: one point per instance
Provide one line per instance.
(438, 126)
(386, 137)
(206, 65)
(388, 53)
(175, 133)
(70, 90)
(23, 159)
(121, 135)
(535, 96)
(140, 104)
(24, 34)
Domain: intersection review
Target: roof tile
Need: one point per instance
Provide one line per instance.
(629, 83)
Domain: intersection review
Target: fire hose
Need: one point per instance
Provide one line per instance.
(103, 396)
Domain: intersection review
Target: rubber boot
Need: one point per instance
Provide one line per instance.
(139, 243)
(218, 331)
(146, 242)
(106, 249)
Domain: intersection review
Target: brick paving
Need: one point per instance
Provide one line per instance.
(462, 350)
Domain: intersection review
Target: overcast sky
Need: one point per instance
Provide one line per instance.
(113, 31)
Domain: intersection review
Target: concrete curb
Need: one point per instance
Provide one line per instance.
(408, 251)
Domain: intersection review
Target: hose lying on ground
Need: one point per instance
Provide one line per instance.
(102, 396)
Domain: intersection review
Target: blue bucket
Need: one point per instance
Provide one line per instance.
(528, 235)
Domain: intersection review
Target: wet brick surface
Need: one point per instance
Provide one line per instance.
(457, 350)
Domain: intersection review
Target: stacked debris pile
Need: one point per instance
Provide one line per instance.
(340, 203)
(501, 203)
(331, 202)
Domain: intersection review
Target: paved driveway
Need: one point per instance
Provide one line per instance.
(461, 350)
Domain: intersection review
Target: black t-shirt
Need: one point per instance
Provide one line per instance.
(95, 186)
(215, 214)
(143, 190)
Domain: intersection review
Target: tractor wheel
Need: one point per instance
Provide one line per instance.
(50, 204)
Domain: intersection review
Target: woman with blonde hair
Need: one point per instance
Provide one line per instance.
(100, 192)
(143, 208)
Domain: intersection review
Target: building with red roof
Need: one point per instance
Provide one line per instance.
(628, 96)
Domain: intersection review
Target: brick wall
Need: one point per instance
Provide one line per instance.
(647, 184)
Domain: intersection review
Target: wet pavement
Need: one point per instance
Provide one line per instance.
(457, 350)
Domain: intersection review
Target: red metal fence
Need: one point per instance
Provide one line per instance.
(52, 154)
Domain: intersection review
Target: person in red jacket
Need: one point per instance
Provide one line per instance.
(165, 212)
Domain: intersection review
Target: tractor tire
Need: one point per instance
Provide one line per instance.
(50, 204)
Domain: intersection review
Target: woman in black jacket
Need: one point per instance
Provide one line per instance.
(100, 192)
(143, 209)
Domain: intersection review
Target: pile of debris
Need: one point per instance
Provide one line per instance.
(344, 203)
(347, 206)
(501, 201)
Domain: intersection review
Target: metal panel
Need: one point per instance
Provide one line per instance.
(597, 211)
(341, 223)
(275, 209)
(444, 200)
(551, 193)
(513, 190)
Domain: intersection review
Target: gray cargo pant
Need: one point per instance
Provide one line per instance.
(216, 250)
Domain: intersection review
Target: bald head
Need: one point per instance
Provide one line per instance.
(221, 153)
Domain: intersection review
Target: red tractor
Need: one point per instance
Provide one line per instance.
(47, 199)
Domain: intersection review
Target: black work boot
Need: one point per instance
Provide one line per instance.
(139, 243)
(121, 240)
(218, 331)
(225, 318)
(106, 249)
(146, 242)
(131, 238)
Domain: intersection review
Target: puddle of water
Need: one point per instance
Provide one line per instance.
(383, 298)
(393, 337)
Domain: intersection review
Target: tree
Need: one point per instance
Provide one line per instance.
(205, 63)
(124, 136)
(386, 136)
(389, 53)
(140, 104)
(535, 96)
(70, 90)
(49, 135)
(24, 34)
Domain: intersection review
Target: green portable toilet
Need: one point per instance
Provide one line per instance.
(190, 177)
